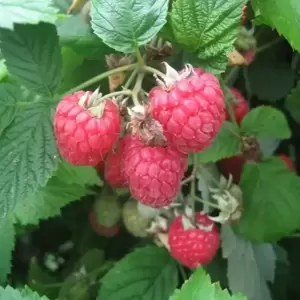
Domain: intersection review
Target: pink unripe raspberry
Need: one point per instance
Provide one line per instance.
(86, 131)
(190, 107)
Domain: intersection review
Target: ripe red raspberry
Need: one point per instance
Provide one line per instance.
(114, 169)
(154, 172)
(86, 133)
(194, 246)
(288, 162)
(101, 229)
(239, 105)
(190, 107)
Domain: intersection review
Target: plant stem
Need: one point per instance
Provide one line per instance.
(269, 45)
(101, 77)
(182, 272)
(130, 79)
(232, 75)
(116, 94)
(139, 57)
(198, 199)
(193, 186)
(137, 88)
(153, 71)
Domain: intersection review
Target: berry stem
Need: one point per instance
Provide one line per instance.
(269, 45)
(116, 94)
(198, 199)
(153, 71)
(137, 88)
(193, 186)
(182, 272)
(228, 104)
(100, 77)
(130, 79)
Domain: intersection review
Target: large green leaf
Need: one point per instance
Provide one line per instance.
(207, 28)
(292, 103)
(9, 293)
(68, 184)
(20, 11)
(258, 259)
(9, 96)
(270, 199)
(199, 286)
(28, 155)
(32, 55)
(124, 25)
(226, 144)
(7, 237)
(282, 15)
(266, 121)
(147, 273)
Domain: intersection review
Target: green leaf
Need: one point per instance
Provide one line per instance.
(20, 11)
(270, 80)
(207, 28)
(226, 144)
(292, 103)
(3, 70)
(9, 96)
(28, 155)
(9, 293)
(125, 25)
(32, 55)
(68, 184)
(282, 15)
(147, 273)
(199, 286)
(266, 121)
(7, 237)
(258, 259)
(270, 201)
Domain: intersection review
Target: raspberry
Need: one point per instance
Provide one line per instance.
(133, 221)
(154, 173)
(288, 162)
(85, 133)
(232, 165)
(239, 105)
(100, 229)
(114, 170)
(190, 107)
(194, 246)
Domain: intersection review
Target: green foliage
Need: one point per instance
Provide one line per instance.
(146, 273)
(9, 96)
(32, 55)
(7, 237)
(126, 25)
(292, 103)
(19, 11)
(69, 183)
(264, 121)
(259, 261)
(207, 29)
(199, 286)
(14, 294)
(226, 144)
(28, 155)
(270, 200)
(282, 15)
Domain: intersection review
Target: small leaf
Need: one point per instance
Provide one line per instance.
(20, 11)
(207, 28)
(265, 121)
(32, 55)
(258, 259)
(68, 184)
(125, 25)
(147, 273)
(7, 237)
(282, 15)
(10, 293)
(199, 286)
(226, 144)
(270, 200)
(28, 155)
(292, 103)
(9, 96)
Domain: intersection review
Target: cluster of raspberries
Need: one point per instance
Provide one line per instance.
(189, 108)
